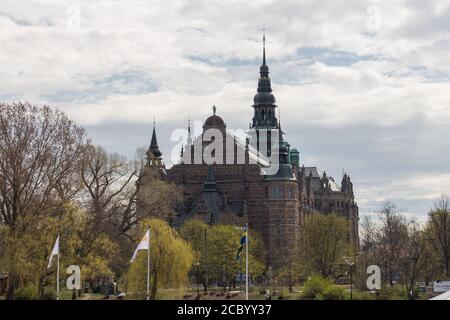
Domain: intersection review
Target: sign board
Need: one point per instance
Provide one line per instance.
(441, 286)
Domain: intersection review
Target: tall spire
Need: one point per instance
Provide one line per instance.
(154, 148)
(264, 101)
(264, 46)
(264, 69)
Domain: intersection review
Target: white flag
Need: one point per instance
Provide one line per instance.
(143, 245)
(55, 252)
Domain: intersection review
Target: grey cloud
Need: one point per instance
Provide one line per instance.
(373, 103)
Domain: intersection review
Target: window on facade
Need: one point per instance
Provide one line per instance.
(277, 192)
(290, 193)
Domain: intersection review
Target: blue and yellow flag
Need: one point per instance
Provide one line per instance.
(243, 241)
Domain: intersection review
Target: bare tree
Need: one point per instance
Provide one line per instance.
(438, 232)
(113, 186)
(39, 151)
(109, 190)
(413, 257)
(391, 238)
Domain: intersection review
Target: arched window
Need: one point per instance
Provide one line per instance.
(263, 114)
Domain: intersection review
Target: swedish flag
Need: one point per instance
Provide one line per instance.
(243, 241)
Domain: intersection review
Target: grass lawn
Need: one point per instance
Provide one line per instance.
(67, 295)
(279, 293)
(217, 294)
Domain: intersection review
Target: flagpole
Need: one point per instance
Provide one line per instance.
(246, 264)
(148, 265)
(57, 273)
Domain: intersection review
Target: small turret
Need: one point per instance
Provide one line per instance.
(346, 183)
(182, 155)
(295, 158)
(154, 155)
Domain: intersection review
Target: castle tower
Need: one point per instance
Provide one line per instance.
(351, 209)
(278, 218)
(283, 205)
(264, 117)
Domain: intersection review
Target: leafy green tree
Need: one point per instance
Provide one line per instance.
(198, 234)
(222, 243)
(171, 259)
(32, 250)
(325, 243)
(39, 152)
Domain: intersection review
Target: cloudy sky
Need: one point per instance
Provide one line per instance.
(362, 86)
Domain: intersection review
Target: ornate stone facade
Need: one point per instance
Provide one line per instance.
(234, 191)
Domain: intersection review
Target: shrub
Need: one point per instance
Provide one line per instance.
(283, 295)
(26, 293)
(395, 292)
(315, 286)
(364, 295)
(334, 292)
(49, 294)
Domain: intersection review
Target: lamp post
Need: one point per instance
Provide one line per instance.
(350, 262)
(246, 258)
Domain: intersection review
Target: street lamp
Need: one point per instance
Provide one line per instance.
(350, 262)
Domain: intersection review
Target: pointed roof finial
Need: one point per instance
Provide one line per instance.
(214, 109)
(264, 46)
(189, 138)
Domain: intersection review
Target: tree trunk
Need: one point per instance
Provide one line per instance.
(41, 287)
(154, 286)
(447, 266)
(11, 287)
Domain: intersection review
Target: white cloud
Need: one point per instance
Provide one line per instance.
(424, 186)
(370, 63)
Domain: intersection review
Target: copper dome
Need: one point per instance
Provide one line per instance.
(214, 121)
